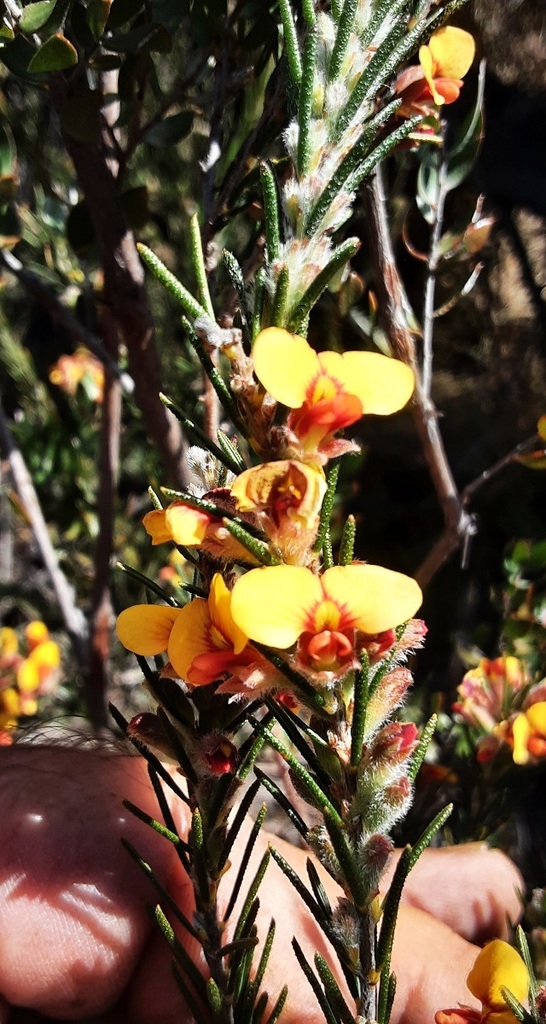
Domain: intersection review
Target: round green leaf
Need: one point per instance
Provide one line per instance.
(34, 16)
(55, 54)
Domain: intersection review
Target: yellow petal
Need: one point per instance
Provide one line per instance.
(35, 633)
(521, 731)
(452, 51)
(272, 605)
(371, 598)
(498, 966)
(46, 656)
(10, 702)
(382, 385)
(541, 428)
(221, 615)
(190, 636)
(285, 364)
(145, 628)
(178, 523)
(9, 643)
(28, 676)
(428, 65)
(536, 716)
(285, 488)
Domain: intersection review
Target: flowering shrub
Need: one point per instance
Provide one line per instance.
(25, 677)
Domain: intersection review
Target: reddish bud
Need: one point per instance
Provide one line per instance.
(221, 756)
(147, 729)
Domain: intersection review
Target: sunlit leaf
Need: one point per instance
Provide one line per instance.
(35, 15)
(56, 54)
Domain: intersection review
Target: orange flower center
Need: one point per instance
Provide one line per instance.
(327, 651)
(327, 408)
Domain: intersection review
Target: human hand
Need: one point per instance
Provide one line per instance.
(76, 942)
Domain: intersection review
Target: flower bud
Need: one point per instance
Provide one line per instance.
(146, 728)
(220, 755)
(388, 695)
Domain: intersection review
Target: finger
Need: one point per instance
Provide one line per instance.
(431, 961)
(72, 903)
(472, 888)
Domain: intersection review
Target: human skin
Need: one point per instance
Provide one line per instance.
(76, 939)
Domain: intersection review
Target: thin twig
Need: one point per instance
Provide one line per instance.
(433, 263)
(395, 313)
(73, 618)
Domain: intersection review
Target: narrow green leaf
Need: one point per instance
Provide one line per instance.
(271, 212)
(291, 42)
(252, 893)
(34, 16)
(260, 292)
(340, 257)
(235, 274)
(237, 823)
(525, 953)
(231, 450)
(257, 548)
(327, 508)
(317, 796)
(191, 307)
(294, 728)
(344, 29)
(196, 840)
(318, 889)
(198, 436)
(428, 834)
(461, 157)
(420, 751)
(514, 1005)
(180, 954)
(346, 857)
(187, 993)
(264, 960)
(278, 1007)
(305, 692)
(173, 837)
(245, 858)
(56, 54)
(347, 543)
(281, 297)
(333, 991)
(314, 982)
(214, 997)
(167, 899)
(305, 103)
(282, 801)
(150, 585)
(199, 268)
(360, 698)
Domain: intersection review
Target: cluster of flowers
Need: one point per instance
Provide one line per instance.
(497, 698)
(319, 619)
(25, 677)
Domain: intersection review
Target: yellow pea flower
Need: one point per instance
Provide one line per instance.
(529, 734)
(193, 528)
(438, 78)
(279, 605)
(497, 966)
(202, 641)
(288, 495)
(327, 391)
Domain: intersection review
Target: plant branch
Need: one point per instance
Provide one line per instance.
(396, 314)
(73, 618)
